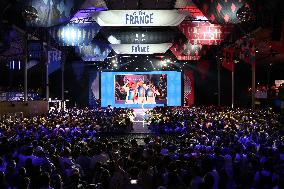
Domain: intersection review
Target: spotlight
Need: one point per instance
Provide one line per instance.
(113, 61)
(30, 13)
(163, 63)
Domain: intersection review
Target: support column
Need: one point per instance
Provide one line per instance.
(46, 83)
(26, 69)
(253, 86)
(62, 77)
(233, 87)
(219, 84)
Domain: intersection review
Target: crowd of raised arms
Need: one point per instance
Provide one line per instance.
(189, 148)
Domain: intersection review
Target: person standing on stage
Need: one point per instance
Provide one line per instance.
(141, 90)
(131, 92)
(151, 93)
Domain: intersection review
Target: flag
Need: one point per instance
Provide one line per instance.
(228, 59)
(247, 50)
(54, 61)
(203, 68)
(31, 64)
(252, 53)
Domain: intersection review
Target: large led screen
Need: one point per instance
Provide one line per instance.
(141, 89)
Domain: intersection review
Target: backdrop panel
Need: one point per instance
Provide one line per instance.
(51, 13)
(136, 18)
(221, 11)
(94, 88)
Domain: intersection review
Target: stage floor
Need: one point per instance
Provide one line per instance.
(139, 123)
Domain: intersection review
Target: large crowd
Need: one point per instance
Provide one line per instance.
(209, 147)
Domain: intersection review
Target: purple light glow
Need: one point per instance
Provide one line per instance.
(83, 14)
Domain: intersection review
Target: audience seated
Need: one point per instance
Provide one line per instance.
(205, 147)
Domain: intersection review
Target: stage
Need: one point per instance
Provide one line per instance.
(139, 123)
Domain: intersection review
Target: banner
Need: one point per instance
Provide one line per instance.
(78, 69)
(188, 88)
(94, 52)
(141, 48)
(54, 61)
(228, 59)
(35, 49)
(74, 34)
(135, 18)
(205, 33)
(53, 56)
(32, 63)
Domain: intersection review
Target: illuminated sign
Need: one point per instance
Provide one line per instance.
(204, 33)
(139, 17)
(141, 48)
(134, 18)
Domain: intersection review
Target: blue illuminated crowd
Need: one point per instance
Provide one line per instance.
(196, 148)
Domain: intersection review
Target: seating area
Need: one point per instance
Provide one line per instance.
(221, 148)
